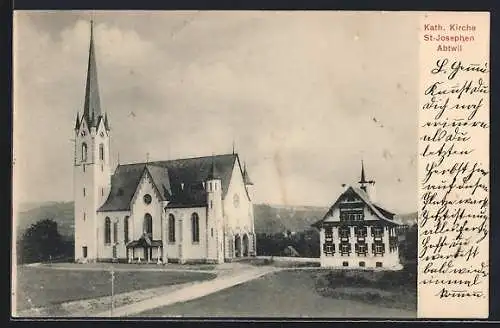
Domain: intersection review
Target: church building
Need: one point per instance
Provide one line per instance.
(358, 233)
(183, 210)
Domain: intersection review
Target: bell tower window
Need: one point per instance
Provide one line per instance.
(101, 152)
(84, 152)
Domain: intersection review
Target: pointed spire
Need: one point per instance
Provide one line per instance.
(363, 179)
(77, 123)
(106, 124)
(362, 182)
(92, 106)
(246, 178)
(233, 147)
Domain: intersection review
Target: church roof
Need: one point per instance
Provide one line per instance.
(383, 214)
(179, 181)
(144, 241)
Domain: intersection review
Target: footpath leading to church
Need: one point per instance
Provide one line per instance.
(193, 291)
(137, 301)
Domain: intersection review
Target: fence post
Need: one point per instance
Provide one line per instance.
(112, 290)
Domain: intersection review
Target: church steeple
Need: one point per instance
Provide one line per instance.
(363, 182)
(246, 177)
(92, 107)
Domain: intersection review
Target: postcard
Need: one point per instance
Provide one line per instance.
(250, 164)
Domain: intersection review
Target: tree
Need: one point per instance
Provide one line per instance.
(409, 247)
(41, 242)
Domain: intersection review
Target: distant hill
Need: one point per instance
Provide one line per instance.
(268, 218)
(60, 212)
(408, 219)
(279, 218)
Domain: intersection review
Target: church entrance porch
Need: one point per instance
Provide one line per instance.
(245, 245)
(237, 246)
(145, 250)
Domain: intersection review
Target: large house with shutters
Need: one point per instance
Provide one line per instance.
(356, 232)
(183, 210)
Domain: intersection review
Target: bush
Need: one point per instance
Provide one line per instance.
(41, 242)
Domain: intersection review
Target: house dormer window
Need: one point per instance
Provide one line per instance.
(350, 215)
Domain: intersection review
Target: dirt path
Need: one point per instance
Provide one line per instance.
(191, 292)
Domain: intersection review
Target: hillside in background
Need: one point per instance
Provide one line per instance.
(279, 218)
(268, 218)
(60, 212)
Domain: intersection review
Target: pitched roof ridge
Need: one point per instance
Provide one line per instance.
(159, 162)
(371, 204)
(364, 197)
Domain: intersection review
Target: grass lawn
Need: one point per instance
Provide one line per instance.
(290, 293)
(38, 286)
(394, 289)
(132, 266)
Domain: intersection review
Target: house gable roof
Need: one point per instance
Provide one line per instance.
(179, 181)
(380, 213)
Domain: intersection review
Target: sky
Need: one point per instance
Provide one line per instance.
(304, 96)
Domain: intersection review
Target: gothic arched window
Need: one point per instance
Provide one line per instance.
(125, 229)
(115, 232)
(171, 228)
(101, 152)
(195, 227)
(148, 225)
(107, 230)
(84, 152)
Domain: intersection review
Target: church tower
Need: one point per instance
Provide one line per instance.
(215, 225)
(91, 164)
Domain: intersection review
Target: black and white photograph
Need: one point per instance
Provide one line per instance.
(215, 164)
